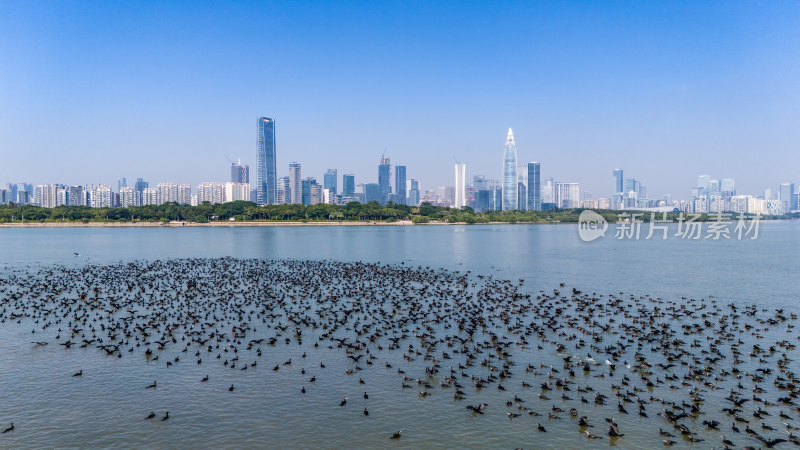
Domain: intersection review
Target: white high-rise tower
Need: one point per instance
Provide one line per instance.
(461, 187)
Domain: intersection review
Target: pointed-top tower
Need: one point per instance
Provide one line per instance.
(510, 187)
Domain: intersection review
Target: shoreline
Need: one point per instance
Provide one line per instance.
(175, 224)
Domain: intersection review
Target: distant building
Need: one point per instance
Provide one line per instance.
(266, 173)
(787, 197)
(460, 187)
(510, 173)
(240, 173)
(400, 185)
(372, 192)
(413, 192)
(311, 192)
(534, 187)
(348, 185)
(384, 171)
(284, 192)
(127, 197)
(44, 195)
(211, 192)
(295, 184)
(568, 195)
(236, 191)
(329, 181)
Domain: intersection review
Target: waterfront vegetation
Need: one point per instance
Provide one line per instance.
(352, 212)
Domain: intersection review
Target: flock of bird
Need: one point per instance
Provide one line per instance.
(678, 372)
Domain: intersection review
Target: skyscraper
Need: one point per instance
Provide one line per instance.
(329, 181)
(240, 173)
(510, 173)
(461, 187)
(413, 192)
(295, 185)
(266, 177)
(534, 187)
(568, 195)
(618, 189)
(384, 170)
(400, 185)
(348, 185)
(786, 197)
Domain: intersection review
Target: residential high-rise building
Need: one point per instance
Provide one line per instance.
(348, 185)
(384, 171)
(534, 187)
(266, 176)
(400, 193)
(167, 192)
(329, 181)
(240, 173)
(211, 192)
(295, 184)
(127, 197)
(510, 173)
(44, 195)
(77, 196)
(236, 191)
(460, 200)
(99, 196)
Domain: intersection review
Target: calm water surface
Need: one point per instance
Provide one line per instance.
(105, 407)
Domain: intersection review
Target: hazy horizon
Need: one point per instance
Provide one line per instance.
(92, 92)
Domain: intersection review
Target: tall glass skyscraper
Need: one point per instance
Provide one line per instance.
(534, 187)
(384, 171)
(266, 176)
(400, 185)
(348, 185)
(510, 173)
(329, 181)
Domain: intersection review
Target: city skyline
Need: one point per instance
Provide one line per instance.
(519, 188)
(656, 102)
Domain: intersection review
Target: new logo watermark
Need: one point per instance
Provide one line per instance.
(592, 225)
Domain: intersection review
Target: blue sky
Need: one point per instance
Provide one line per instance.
(93, 91)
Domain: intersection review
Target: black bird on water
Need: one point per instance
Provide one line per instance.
(396, 435)
(151, 415)
(78, 374)
(166, 416)
(11, 428)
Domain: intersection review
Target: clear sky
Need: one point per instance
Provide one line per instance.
(97, 90)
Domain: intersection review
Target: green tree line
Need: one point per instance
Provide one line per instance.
(248, 211)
